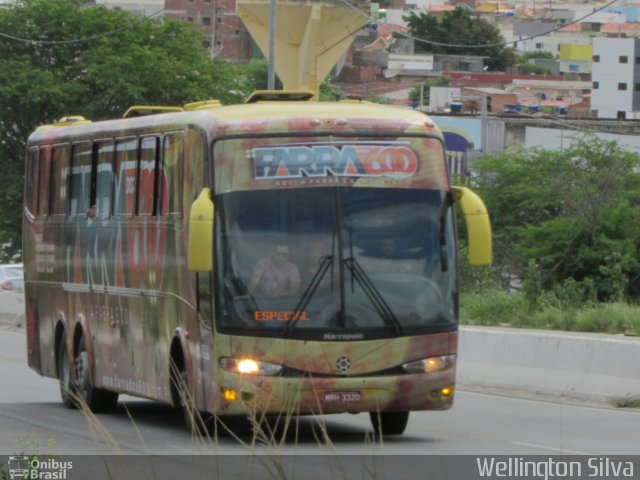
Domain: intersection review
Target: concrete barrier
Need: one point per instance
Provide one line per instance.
(593, 367)
(11, 308)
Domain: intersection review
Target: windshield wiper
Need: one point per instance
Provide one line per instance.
(325, 263)
(373, 294)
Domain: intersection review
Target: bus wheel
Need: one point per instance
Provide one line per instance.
(389, 423)
(199, 423)
(97, 399)
(67, 388)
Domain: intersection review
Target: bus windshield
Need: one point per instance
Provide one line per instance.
(337, 262)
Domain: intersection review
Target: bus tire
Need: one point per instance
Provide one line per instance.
(67, 387)
(96, 399)
(389, 423)
(198, 423)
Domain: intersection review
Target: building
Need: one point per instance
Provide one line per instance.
(575, 58)
(497, 100)
(615, 75)
(145, 8)
(226, 35)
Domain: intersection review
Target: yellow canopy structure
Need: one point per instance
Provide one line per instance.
(310, 36)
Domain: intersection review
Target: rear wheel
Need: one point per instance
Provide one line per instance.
(389, 423)
(97, 399)
(67, 388)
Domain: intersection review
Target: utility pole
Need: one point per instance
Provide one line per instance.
(271, 82)
(483, 123)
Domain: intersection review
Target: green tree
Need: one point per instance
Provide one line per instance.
(575, 212)
(380, 99)
(330, 92)
(458, 33)
(94, 62)
(257, 74)
(522, 60)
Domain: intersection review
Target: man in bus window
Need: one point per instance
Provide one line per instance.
(388, 247)
(275, 275)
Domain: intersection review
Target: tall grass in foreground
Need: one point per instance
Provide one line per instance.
(511, 308)
(267, 440)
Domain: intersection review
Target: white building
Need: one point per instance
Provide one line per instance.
(615, 76)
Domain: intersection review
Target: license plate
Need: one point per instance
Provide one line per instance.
(343, 397)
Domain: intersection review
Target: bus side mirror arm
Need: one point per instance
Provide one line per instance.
(200, 255)
(478, 225)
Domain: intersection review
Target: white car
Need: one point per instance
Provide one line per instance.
(12, 277)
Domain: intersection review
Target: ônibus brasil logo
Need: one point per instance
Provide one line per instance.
(30, 467)
(324, 160)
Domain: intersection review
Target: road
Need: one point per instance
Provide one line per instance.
(33, 419)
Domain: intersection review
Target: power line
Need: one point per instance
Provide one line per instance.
(78, 40)
(500, 44)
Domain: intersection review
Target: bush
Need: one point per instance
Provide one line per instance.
(496, 307)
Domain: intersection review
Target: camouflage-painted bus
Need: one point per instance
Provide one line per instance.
(276, 256)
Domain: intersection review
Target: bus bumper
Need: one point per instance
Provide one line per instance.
(241, 395)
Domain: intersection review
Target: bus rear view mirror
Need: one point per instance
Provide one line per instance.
(478, 225)
(200, 257)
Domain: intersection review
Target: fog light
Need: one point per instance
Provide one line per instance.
(229, 395)
(446, 392)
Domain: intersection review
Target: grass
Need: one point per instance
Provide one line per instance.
(628, 403)
(265, 440)
(496, 307)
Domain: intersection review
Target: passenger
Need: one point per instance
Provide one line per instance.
(389, 248)
(275, 276)
(317, 250)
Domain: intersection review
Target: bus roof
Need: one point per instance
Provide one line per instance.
(267, 117)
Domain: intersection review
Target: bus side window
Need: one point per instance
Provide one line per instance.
(44, 181)
(59, 185)
(80, 183)
(31, 181)
(170, 178)
(104, 179)
(195, 166)
(125, 182)
(147, 168)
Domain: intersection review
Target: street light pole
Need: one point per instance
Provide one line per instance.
(271, 83)
(483, 124)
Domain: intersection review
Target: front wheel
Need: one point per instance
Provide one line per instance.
(97, 399)
(389, 423)
(199, 423)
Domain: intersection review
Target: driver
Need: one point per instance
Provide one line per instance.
(275, 275)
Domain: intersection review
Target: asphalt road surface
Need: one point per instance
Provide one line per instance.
(33, 419)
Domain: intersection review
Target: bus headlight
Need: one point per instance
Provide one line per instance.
(248, 366)
(430, 365)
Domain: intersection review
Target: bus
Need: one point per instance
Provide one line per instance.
(281, 255)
